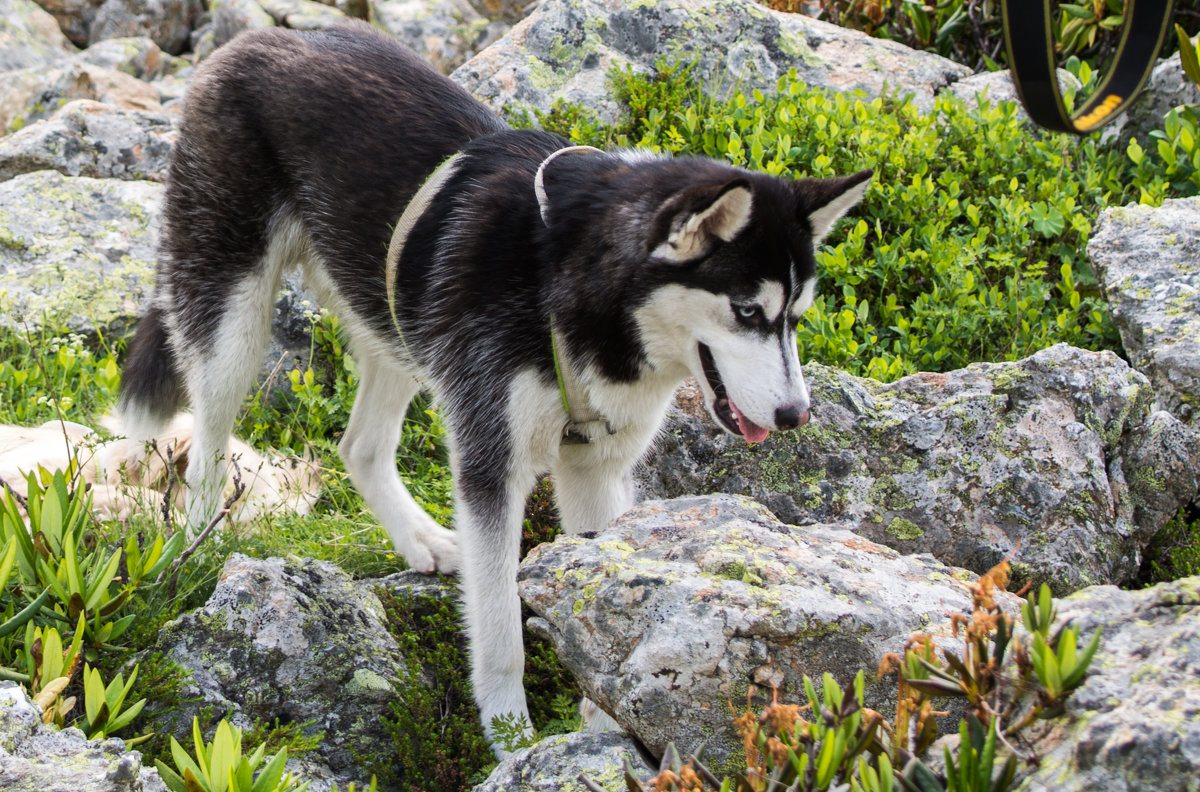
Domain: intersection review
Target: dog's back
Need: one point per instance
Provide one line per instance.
(283, 128)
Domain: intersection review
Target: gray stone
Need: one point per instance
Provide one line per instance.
(137, 56)
(230, 17)
(35, 757)
(565, 48)
(297, 640)
(667, 616)
(1148, 261)
(29, 95)
(302, 14)
(1134, 724)
(168, 22)
(444, 32)
(556, 763)
(88, 138)
(29, 36)
(1043, 459)
(75, 250)
(74, 17)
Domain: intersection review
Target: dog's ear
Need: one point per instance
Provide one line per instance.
(690, 222)
(823, 201)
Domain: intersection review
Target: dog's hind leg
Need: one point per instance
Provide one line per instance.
(369, 452)
(218, 374)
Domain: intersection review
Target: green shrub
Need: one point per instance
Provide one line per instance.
(970, 244)
(46, 375)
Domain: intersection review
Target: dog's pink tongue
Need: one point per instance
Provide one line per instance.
(750, 430)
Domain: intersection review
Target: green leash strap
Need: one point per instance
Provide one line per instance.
(404, 226)
(1029, 38)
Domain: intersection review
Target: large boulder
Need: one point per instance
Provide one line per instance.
(28, 95)
(1057, 460)
(1148, 261)
(35, 757)
(299, 641)
(1134, 724)
(556, 763)
(87, 138)
(444, 32)
(670, 614)
(74, 250)
(29, 36)
(168, 22)
(565, 48)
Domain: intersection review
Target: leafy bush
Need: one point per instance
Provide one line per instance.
(970, 244)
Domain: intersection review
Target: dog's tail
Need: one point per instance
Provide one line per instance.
(151, 389)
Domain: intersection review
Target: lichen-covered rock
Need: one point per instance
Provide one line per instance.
(1134, 724)
(230, 17)
(75, 250)
(1148, 261)
(297, 640)
(1041, 459)
(565, 48)
(444, 32)
(88, 138)
(668, 615)
(29, 95)
(29, 36)
(168, 22)
(74, 17)
(137, 56)
(302, 14)
(556, 763)
(35, 757)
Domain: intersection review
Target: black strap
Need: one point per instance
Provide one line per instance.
(1029, 37)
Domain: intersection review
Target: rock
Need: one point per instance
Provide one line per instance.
(444, 32)
(667, 616)
(565, 48)
(296, 640)
(230, 17)
(88, 138)
(35, 757)
(32, 94)
(1041, 459)
(1148, 261)
(137, 56)
(168, 22)
(302, 14)
(74, 17)
(1134, 724)
(555, 764)
(76, 250)
(29, 36)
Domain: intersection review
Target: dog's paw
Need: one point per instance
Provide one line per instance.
(441, 547)
(596, 719)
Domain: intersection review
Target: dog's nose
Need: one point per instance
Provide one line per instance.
(790, 417)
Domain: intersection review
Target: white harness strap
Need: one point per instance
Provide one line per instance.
(404, 226)
(585, 423)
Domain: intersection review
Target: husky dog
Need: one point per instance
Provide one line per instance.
(550, 297)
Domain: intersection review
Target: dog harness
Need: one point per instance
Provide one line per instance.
(584, 424)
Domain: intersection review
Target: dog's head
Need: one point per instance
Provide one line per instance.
(719, 263)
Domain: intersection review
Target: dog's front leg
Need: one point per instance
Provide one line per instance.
(489, 508)
(593, 487)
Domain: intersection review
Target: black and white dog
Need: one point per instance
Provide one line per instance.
(550, 297)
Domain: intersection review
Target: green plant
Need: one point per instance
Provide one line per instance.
(104, 707)
(221, 766)
(970, 244)
(46, 375)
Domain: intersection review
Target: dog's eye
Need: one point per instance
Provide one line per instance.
(750, 314)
